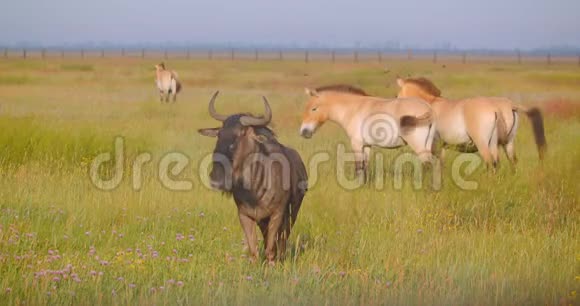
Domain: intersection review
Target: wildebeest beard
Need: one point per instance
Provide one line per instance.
(233, 146)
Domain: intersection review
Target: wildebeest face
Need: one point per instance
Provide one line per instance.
(235, 139)
(228, 139)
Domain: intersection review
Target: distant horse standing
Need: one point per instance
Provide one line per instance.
(486, 122)
(167, 83)
(370, 121)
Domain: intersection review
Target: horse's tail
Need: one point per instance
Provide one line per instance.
(175, 78)
(410, 122)
(535, 116)
(177, 86)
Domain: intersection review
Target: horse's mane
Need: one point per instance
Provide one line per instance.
(426, 85)
(343, 88)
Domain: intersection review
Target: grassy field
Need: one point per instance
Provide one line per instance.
(514, 240)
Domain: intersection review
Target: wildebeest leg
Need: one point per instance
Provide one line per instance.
(249, 227)
(272, 236)
(278, 246)
(263, 224)
(283, 235)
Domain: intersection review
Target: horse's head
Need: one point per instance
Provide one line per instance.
(408, 89)
(315, 113)
(418, 88)
(160, 66)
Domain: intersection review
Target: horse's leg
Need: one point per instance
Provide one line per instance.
(173, 90)
(483, 147)
(509, 147)
(421, 142)
(510, 152)
(161, 96)
(366, 161)
(359, 159)
(441, 154)
(494, 148)
(438, 149)
(482, 129)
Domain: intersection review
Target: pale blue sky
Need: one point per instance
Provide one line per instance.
(463, 23)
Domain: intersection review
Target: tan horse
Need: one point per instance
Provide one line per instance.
(167, 83)
(486, 122)
(370, 121)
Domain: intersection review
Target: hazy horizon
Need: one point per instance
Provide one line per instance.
(491, 24)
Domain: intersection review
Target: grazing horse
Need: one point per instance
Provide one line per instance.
(483, 122)
(370, 121)
(267, 179)
(167, 83)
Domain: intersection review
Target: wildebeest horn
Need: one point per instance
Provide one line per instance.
(212, 111)
(263, 120)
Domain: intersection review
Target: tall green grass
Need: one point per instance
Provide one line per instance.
(514, 240)
(29, 140)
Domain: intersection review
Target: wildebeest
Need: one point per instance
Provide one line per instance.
(370, 121)
(486, 122)
(167, 83)
(267, 179)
